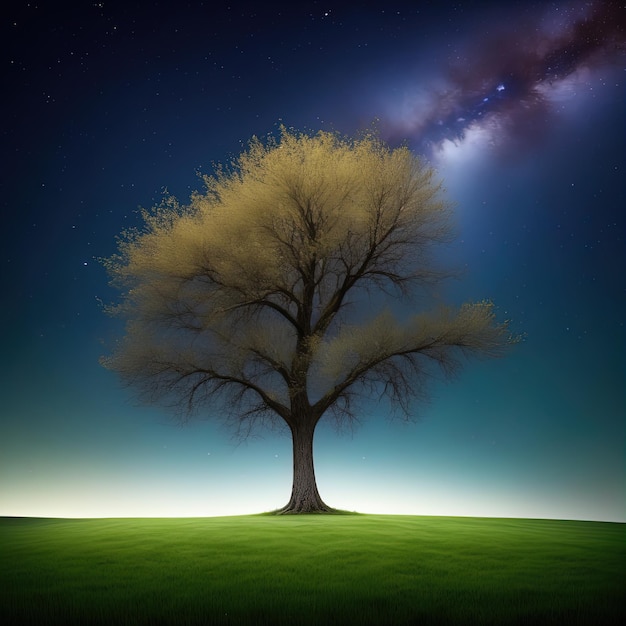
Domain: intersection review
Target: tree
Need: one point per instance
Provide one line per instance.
(256, 295)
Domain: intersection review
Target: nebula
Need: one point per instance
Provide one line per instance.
(507, 82)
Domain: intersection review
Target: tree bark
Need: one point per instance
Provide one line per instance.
(305, 497)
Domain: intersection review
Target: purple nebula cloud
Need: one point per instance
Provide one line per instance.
(508, 81)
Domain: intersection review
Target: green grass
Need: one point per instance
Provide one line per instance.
(315, 569)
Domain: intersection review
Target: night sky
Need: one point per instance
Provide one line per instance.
(520, 107)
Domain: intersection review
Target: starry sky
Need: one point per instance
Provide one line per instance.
(520, 108)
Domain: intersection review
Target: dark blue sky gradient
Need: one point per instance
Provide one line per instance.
(520, 107)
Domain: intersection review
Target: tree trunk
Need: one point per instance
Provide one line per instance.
(304, 495)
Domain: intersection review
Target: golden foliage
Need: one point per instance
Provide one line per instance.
(245, 288)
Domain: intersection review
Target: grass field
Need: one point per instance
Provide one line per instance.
(315, 569)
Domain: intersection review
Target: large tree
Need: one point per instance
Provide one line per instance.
(272, 293)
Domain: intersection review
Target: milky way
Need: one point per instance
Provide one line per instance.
(512, 77)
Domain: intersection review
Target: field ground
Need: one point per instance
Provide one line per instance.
(313, 569)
